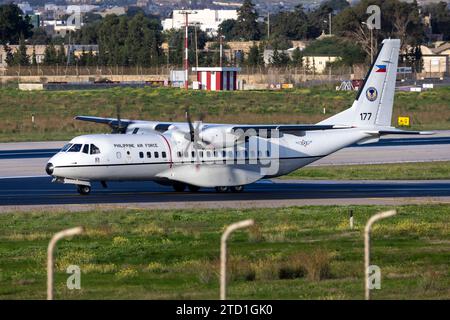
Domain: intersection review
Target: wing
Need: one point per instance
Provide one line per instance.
(288, 127)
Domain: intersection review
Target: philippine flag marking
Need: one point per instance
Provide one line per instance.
(381, 68)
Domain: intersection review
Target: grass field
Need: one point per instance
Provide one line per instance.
(292, 253)
(54, 110)
(438, 170)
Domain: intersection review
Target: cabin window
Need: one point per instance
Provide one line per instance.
(75, 148)
(156, 154)
(94, 149)
(149, 154)
(163, 154)
(201, 154)
(224, 154)
(66, 147)
(135, 130)
(246, 154)
(118, 155)
(86, 149)
(179, 154)
(216, 154)
(193, 154)
(141, 155)
(268, 153)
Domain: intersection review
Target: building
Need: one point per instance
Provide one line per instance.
(318, 63)
(217, 78)
(436, 61)
(207, 19)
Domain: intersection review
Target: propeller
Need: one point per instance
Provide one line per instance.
(194, 135)
(117, 125)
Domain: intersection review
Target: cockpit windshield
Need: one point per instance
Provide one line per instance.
(66, 147)
(75, 148)
(94, 149)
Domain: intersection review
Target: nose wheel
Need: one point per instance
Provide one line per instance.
(83, 190)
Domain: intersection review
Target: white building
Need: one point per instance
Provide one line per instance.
(208, 20)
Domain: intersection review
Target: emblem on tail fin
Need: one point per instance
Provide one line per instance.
(381, 68)
(371, 94)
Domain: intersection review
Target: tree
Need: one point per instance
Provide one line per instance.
(9, 59)
(13, 25)
(297, 57)
(20, 56)
(246, 25)
(290, 25)
(279, 58)
(33, 57)
(61, 56)
(228, 29)
(50, 55)
(398, 20)
(440, 18)
(253, 58)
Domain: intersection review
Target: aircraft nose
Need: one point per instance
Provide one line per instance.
(49, 168)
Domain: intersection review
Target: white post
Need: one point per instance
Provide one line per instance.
(51, 246)
(372, 220)
(351, 219)
(223, 252)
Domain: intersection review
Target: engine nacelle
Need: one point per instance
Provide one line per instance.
(220, 137)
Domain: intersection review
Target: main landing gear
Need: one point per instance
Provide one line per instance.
(235, 189)
(83, 190)
(180, 187)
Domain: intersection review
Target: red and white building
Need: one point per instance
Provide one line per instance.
(217, 78)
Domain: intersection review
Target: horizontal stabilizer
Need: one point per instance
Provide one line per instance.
(398, 131)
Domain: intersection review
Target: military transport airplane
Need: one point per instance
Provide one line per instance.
(227, 156)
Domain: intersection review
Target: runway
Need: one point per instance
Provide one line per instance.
(39, 192)
(24, 185)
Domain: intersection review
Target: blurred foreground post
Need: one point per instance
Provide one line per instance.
(51, 247)
(223, 252)
(372, 220)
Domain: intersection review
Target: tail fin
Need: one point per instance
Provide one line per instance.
(375, 99)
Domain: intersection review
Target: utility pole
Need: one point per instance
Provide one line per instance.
(268, 25)
(221, 49)
(196, 45)
(329, 19)
(186, 49)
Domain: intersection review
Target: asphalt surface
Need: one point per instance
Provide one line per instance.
(39, 191)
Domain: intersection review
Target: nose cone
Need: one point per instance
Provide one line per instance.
(49, 168)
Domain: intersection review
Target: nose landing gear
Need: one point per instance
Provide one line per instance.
(83, 190)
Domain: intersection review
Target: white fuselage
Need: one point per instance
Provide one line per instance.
(160, 157)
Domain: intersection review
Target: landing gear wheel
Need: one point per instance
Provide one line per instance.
(83, 190)
(179, 187)
(221, 189)
(237, 189)
(193, 188)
